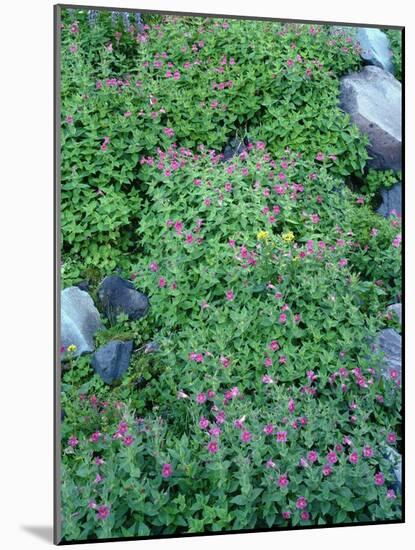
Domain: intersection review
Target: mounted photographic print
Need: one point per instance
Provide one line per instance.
(229, 281)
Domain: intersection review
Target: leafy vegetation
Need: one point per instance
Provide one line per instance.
(268, 279)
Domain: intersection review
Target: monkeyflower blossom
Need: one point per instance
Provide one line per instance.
(215, 431)
(354, 458)
(301, 503)
(103, 512)
(238, 423)
(246, 436)
(212, 447)
(312, 456)
(391, 437)
(274, 345)
(332, 457)
(201, 398)
(327, 470)
(73, 441)
(225, 361)
(379, 479)
(167, 470)
(95, 437)
(283, 481)
(397, 241)
(281, 437)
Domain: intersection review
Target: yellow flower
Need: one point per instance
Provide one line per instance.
(288, 237)
(262, 235)
(72, 348)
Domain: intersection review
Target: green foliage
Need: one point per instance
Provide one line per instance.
(395, 37)
(267, 279)
(375, 180)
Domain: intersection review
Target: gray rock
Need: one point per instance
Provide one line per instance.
(120, 296)
(234, 147)
(389, 342)
(152, 347)
(396, 462)
(373, 99)
(112, 360)
(391, 200)
(80, 320)
(83, 285)
(376, 48)
(397, 310)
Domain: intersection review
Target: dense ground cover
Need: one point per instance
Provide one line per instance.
(268, 279)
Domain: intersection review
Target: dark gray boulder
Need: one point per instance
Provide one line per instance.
(373, 99)
(112, 360)
(83, 285)
(80, 320)
(391, 200)
(389, 342)
(234, 147)
(120, 296)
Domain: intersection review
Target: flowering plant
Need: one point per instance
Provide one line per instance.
(268, 280)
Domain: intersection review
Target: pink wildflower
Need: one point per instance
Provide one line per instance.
(312, 456)
(281, 437)
(246, 436)
(229, 295)
(212, 447)
(73, 441)
(391, 437)
(327, 470)
(283, 480)
(225, 361)
(128, 440)
(301, 503)
(201, 398)
(167, 470)
(354, 458)
(103, 512)
(379, 478)
(332, 457)
(274, 345)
